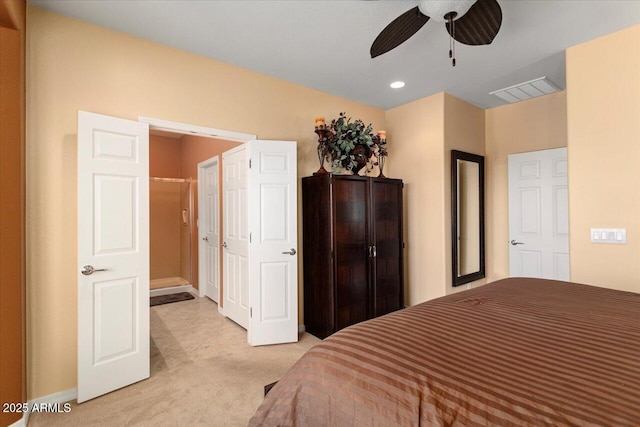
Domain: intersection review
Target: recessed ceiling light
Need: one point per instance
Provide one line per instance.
(397, 85)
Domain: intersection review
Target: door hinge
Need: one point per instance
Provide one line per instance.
(251, 312)
(249, 163)
(249, 237)
(331, 254)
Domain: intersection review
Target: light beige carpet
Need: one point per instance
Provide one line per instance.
(203, 372)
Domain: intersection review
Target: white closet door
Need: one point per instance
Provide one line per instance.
(539, 215)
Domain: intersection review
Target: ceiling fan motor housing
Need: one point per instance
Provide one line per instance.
(440, 10)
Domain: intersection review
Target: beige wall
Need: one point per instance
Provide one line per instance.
(535, 124)
(421, 136)
(78, 66)
(416, 154)
(603, 106)
(464, 130)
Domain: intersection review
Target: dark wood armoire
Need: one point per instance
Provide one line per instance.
(352, 241)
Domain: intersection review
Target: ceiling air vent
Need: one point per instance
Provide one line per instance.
(531, 89)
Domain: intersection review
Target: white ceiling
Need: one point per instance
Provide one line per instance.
(325, 44)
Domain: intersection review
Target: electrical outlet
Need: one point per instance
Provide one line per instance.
(609, 235)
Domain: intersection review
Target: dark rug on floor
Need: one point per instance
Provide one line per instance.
(166, 299)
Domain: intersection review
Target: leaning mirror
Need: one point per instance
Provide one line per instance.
(467, 217)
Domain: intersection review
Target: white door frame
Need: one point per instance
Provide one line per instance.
(202, 131)
(244, 138)
(187, 129)
(214, 161)
(543, 175)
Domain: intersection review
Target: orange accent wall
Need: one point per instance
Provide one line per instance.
(165, 228)
(12, 231)
(164, 157)
(179, 158)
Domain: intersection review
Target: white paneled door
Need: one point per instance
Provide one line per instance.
(539, 215)
(274, 241)
(113, 253)
(235, 236)
(208, 226)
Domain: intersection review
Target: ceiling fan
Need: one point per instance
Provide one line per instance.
(470, 22)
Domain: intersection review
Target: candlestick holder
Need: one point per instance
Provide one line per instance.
(323, 145)
(381, 165)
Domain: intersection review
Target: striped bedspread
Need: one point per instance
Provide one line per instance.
(511, 353)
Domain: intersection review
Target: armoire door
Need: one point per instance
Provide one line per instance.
(386, 239)
(351, 210)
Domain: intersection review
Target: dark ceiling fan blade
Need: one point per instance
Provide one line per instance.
(479, 25)
(398, 31)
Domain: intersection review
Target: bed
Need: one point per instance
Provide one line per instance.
(511, 353)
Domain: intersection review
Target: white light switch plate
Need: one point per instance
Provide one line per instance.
(609, 235)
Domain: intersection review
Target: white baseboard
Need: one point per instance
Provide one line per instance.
(22, 422)
(301, 329)
(172, 290)
(59, 397)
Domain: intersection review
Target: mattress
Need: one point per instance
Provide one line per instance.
(514, 352)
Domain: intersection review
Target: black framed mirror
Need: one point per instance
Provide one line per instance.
(467, 217)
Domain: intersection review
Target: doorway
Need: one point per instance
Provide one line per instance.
(113, 245)
(177, 154)
(539, 214)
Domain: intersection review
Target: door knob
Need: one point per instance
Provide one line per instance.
(224, 244)
(291, 252)
(515, 242)
(205, 238)
(88, 270)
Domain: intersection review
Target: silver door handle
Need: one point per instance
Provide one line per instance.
(205, 238)
(291, 252)
(88, 270)
(515, 242)
(224, 244)
(375, 252)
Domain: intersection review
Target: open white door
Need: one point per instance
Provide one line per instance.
(273, 266)
(113, 253)
(539, 215)
(235, 236)
(208, 225)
